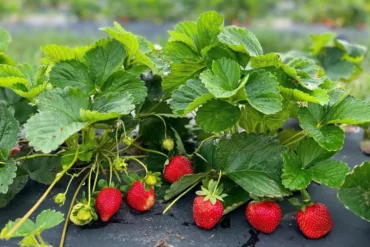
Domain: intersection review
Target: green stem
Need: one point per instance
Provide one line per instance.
(43, 244)
(42, 198)
(292, 137)
(97, 167)
(89, 183)
(34, 156)
(70, 211)
(202, 143)
(149, 150)
(218, 181)
(296, 140)
(141, 163)
(177, 198)
(117, 175)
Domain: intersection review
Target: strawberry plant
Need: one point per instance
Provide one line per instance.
(242, 97)
(85, 114)
(114, 116)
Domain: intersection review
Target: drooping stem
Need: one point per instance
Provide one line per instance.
(292, 137)
(89, 183)
(43, 244)
(117, 175)
(218, 181)
(202, 143)
(42, 198)
(149, 150)
(141, 163)
(70, 211)
(35, 156)
(97, 167)
(177, 198)
(296, 140)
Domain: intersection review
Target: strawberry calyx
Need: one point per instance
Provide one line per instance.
(306, 201)
(212, 192)
(120, 164)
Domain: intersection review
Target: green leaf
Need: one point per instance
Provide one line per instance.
(9, 131)
(310, 152)
(128, 39)
(217, 115)
(183, 38)
(108, 106)
(58, 118)
(263, 92)
(48, 219)
(308, 74)
(236, 195)
(294, 176)
(254, 162)
(349, 111)
(330, 172)
(224, 81)
(267, 60)
(318, 96)
(353, 50)
(329, 137)
(179, 52)
(5, 59)
(5, 39)
(289, 137)
(189, 96)
(7, 174)
(42, 169)
(189, 29)
(252, 120)
(27, 228)
(180, 73)
(71, 73)
(209, 25)
(183, 183)
(320, 40)
(58, 53)
(355, 192)
(104, 58)
(125, 82)
(336, 68)
(13, 189)
(240, 40)
(28, 241)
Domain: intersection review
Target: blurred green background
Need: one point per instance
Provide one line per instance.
(280, 25)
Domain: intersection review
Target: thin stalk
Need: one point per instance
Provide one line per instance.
(218, 181)
(43, 244)
(177, 198)
(149, 150)
(201, 144)
(42, 198)
(89, 184)
(35, 156)
(294, 141)
(96, 176)
(70, 211)
(292, 137)
(141, 163)
(117, 175)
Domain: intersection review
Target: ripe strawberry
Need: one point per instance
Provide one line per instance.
(205, 214)
(263, 216)
(140, 199)
(15, 150)
(315, 221)
(207, 206)
(177, 168)
(108, 203)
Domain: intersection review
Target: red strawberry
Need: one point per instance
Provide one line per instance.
(263, 216)
(108, 203)
(15, 150)
(205, 214)
(140, 199)
(315, 222)
(177, 168)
